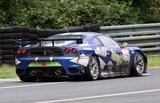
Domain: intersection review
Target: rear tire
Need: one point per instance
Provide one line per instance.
(92, 71)
(139, 65)
(27, 78)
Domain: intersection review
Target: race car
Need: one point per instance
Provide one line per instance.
(78, 54)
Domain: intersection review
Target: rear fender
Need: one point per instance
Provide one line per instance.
(133, 53)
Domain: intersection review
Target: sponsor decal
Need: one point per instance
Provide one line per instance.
(83, 45)
(102, 63)
(126, 55)
(27, 46)
(17, 61)
(44, 64)
(101, 51)
(105, 74)
(82, 60)
(125, 51)
(51, 58)
(87, 48)
(117, 57)
(36, 59)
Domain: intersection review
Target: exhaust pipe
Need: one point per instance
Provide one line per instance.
(33, 73)
(58, 72)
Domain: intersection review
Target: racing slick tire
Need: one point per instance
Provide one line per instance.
(139, 65)
(93, 70)
(27, 79)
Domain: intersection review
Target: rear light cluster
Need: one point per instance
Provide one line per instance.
(72, 50)
(21, 51)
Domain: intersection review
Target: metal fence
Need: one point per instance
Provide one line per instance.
(146, 36)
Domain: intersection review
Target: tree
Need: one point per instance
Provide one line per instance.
(64, 13)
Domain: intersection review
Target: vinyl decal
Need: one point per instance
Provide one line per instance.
(51, 58)
(101, 51)
(82, 60)
(36, 59)
(17, 61)
(116, 57)
(44, 64)
(126, 55)
(102, 63)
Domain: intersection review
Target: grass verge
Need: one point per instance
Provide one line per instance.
(153, 61)
(7, 71)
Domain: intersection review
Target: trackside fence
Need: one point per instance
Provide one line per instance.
(10, 34)
(145, 36)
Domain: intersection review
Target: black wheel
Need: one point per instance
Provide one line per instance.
(139, 65)
(25, 78)
(93, 69)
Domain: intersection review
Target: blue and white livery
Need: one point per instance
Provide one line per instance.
(86, 54)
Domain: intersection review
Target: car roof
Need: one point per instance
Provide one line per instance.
(87, 36)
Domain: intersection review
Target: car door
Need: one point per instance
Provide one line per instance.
(115, 57)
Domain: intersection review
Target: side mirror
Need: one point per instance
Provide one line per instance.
(124, 44)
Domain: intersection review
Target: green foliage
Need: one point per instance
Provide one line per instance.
(153, 61)
(64, 13)
(7, 71)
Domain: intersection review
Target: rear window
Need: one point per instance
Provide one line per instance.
(61, 43)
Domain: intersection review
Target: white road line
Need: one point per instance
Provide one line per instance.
(31, 85)
(146, 74)
(100, 96)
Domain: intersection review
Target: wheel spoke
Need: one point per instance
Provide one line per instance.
(93, 67)
(140, 63)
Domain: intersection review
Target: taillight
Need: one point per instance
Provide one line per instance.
(67, 50)
(18, 52)
(74, 50)
(24, 51)
(21, 52)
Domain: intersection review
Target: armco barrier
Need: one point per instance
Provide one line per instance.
(146, 36)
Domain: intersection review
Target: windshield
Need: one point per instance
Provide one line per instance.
(61, 43)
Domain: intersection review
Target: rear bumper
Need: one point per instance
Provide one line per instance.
(69, 67)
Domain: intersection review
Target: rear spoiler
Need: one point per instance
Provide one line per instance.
(77, 38)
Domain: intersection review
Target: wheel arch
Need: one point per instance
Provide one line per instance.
(145, 59)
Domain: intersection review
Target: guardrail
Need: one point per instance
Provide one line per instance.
(146, 36)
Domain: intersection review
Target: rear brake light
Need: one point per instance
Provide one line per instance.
(18, 52)
(74, 50)
(21, 51)
(24, 51)
(67, 50)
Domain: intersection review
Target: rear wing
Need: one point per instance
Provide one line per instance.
(77, 38)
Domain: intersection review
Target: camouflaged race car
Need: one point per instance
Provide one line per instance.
(87, 54)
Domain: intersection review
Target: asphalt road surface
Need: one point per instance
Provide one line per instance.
(144, 89)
